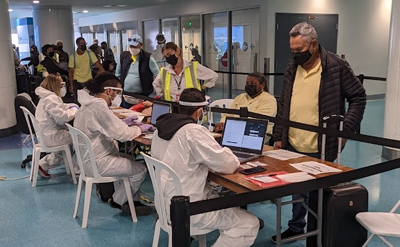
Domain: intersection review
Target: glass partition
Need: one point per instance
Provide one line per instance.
(150, 30)
(170, 29)
(191, 37)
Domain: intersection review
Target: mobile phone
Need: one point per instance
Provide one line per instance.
(252, 170)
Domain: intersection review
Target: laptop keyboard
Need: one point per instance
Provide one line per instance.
(243, 155)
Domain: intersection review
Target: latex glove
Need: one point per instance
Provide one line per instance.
(73, 106)
(130, 120)
(146, 127)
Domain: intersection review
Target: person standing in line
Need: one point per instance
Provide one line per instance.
(157, 53)
(316, 84)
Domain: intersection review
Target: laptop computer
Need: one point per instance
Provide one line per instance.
(159, 109)
(245, 137)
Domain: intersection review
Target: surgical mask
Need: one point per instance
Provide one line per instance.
(51, 54)
(63, 91)
(134, 51)
(301, 58)
(83, 47)
(200, 120)
(173, 60)
(116, 102)
(251, 90)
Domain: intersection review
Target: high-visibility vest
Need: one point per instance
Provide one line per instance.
(190, 78)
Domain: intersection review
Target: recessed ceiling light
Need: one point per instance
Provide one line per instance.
(10, 10)
(85, 11)
(122, 5)
(36, 2)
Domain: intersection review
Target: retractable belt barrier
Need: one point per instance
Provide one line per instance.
(182, 208)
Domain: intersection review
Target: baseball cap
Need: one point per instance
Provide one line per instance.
(160, 38)
(135, 40)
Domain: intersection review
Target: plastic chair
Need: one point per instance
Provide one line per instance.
(222, 103)
(39, 147)
(90, 174)
(381, 224)
(156, 168)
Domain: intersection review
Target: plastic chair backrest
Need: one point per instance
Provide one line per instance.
(222, 103)
(156, 168)
(84, 153)
(33, 126)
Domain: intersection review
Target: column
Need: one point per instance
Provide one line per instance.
(8, 89)
(53, 23)
(392, 103)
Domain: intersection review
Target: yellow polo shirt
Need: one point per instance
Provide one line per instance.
(304, 108)
(81, 65)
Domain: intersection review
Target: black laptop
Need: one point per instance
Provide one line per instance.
(245, 137)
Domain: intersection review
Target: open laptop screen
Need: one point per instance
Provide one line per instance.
(244, 134)
(158, 110)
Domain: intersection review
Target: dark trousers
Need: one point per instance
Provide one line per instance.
(77, 86)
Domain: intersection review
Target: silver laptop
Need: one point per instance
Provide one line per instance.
(158, 110)
(245, 137)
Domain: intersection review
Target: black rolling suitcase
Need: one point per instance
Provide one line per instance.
(341, 203)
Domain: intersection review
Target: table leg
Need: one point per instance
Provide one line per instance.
(319, 220)
(278, 203)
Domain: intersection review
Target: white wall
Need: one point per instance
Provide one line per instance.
(363, 27)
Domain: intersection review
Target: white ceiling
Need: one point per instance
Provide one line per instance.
(23, 8)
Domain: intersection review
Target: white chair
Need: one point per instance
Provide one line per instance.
(222, 103)
(90, 174)
(381, 224)
(156, 168)
(39, 147)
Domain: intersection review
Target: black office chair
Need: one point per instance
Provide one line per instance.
(23, 99)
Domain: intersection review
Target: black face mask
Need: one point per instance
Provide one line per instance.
(83, 47)
(51, 54)
(59, 48)
(251, 90)
(301, 58)
(173, 60)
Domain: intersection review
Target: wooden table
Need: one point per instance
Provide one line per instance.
(237, 183)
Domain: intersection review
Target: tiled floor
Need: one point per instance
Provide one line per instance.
(42, 216)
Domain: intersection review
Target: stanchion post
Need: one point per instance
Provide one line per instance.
(180, 221)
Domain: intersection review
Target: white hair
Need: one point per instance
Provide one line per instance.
(58, 41)
(305, 30)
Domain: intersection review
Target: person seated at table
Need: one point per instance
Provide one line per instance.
(190, 150)
(51, 114)
(102, 127)
(256, 99)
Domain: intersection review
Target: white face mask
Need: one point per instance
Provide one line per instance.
(116, 102)
(134, 51)
(200, 120)
(63, 91)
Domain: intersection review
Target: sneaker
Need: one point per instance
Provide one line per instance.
(140, 209)
(287, 234)
(43, 173)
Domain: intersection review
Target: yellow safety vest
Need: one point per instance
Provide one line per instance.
(190, 78)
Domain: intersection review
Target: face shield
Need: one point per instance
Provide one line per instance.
(204, 108)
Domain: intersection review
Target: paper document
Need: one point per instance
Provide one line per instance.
(282, 154)
(295, 177)
(264, 178)
(314, 168)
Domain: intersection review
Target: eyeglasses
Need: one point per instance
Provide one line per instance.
(134, 40)
(117, 90)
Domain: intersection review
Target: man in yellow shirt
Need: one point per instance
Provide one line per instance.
(80, 67)
(256, 99)
(316, 84)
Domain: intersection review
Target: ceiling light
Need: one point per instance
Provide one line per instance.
(122, 5)
(85, 11)
(10, 10)
(36, 2)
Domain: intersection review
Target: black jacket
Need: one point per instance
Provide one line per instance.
(338, 83)
(34, 59)
(52, 67)
(145, 74)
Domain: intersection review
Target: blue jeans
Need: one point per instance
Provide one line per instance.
(298, 222)
(125, 104)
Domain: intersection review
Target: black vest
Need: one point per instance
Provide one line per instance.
(145, 74)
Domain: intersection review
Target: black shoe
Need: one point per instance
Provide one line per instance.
(261, 224)
(114, 204)
(287, 234)
(140, 209)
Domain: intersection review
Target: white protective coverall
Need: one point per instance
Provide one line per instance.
(159, 57)
(102, 127)
(190, 153)
(52, 114)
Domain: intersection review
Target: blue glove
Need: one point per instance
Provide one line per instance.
(146, 127)
(130, 121)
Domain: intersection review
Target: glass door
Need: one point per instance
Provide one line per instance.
(170, 29)
(151, 29)
(215, 51)
(245, 46)
(191, 38)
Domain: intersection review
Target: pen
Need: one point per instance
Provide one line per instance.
(269, 175)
